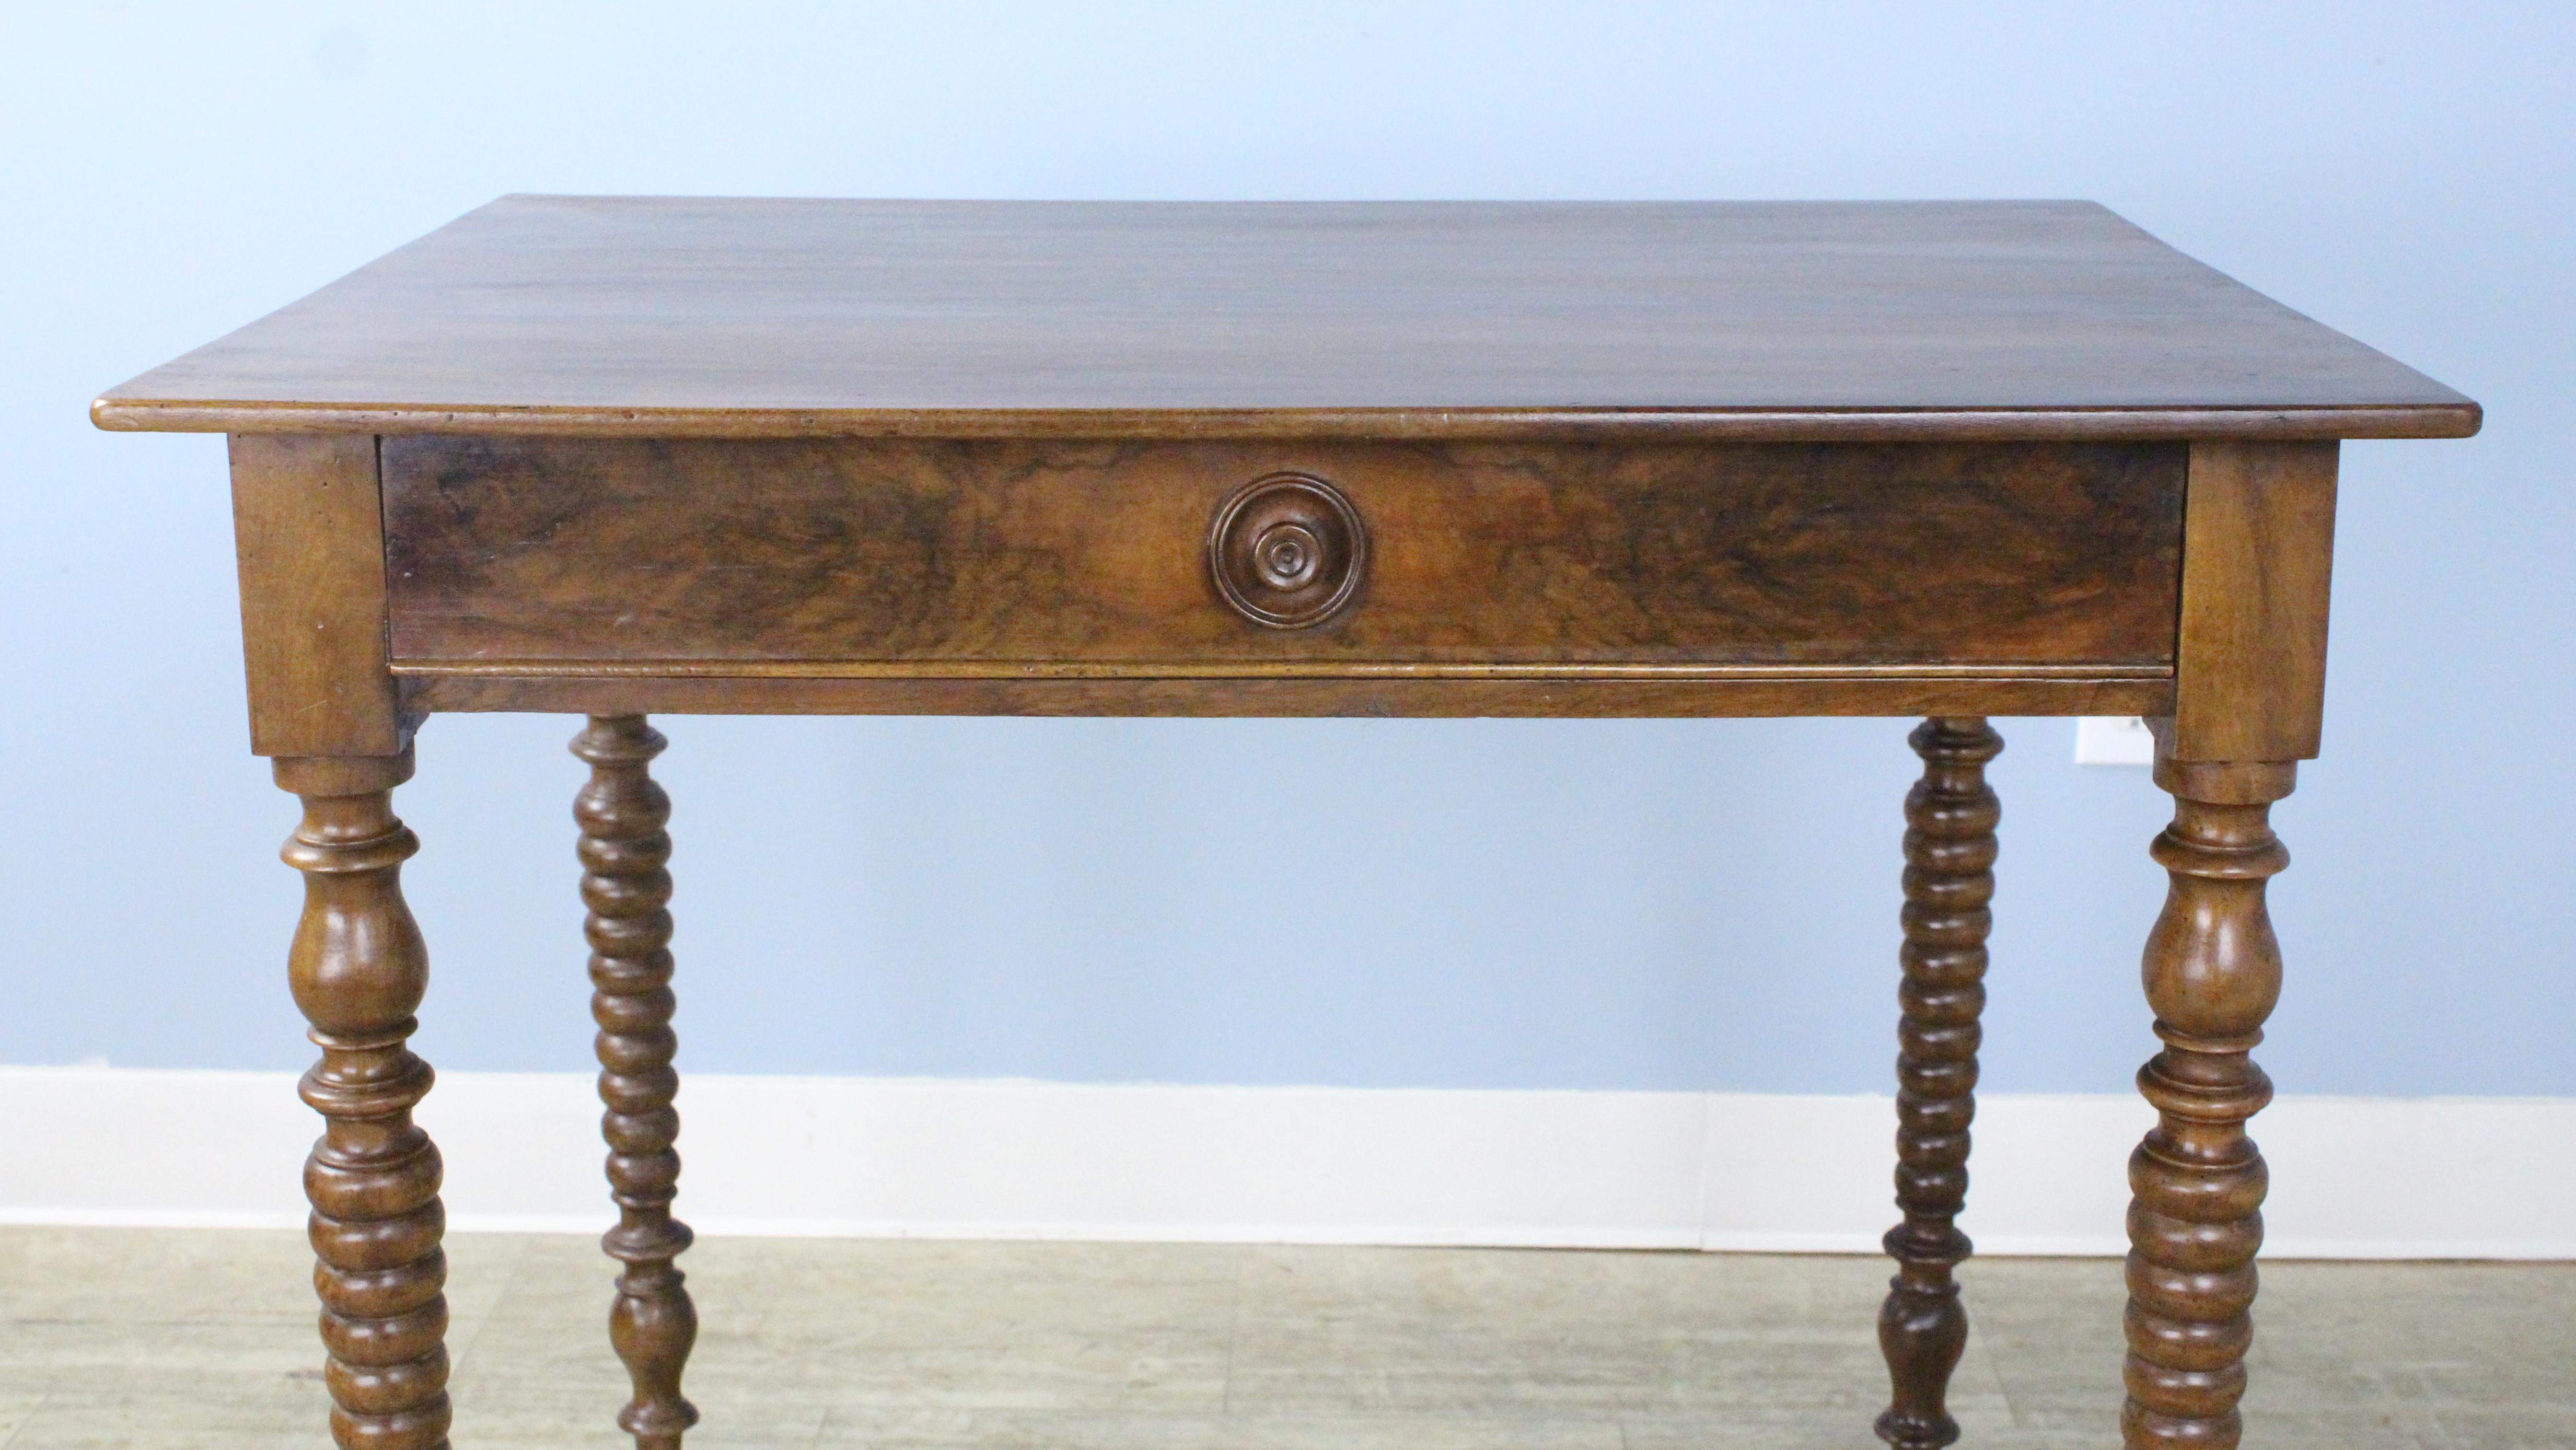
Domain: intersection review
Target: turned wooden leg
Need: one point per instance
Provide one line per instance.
(624, 855)
(1950, 818)
(358, 970)
(2213, 971)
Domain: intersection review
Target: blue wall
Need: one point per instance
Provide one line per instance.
(1505, 904)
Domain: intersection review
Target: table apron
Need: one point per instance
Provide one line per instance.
(1076, 577)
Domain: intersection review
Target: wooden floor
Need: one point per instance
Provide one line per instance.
(204, 1339)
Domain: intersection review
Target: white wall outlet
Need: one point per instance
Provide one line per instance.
(2113, 740)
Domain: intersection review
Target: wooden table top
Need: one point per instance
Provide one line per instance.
(768, 318)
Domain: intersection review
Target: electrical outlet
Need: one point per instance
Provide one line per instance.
(2113, 740)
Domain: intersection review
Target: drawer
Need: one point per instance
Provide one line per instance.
(1269, 554)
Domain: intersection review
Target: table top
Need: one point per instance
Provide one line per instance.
(767, 318)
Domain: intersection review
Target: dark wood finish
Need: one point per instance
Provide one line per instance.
(2253, 632)
(1016, 554)
(309, 538)
(2213, 973)
(1287, 550)
(2249, 696)
(358, 970)
(699, 317)
(1950, 819)
(626, 882)
(1952, 460)
(1686, 695)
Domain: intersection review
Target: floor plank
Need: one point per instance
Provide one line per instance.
(127, 1339)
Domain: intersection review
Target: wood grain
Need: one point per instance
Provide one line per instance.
(1050, 554)
(309, 539)
(2250, 679)
(675, 317)
(1953, 460)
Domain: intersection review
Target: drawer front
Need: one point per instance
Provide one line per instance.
(998, 552)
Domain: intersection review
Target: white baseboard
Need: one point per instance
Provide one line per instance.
(2486, 1178)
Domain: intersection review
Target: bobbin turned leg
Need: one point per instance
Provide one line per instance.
(2213, 971)
(358, 970)
(1950, 818)
(624, 856)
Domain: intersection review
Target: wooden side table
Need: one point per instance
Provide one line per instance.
(618, 456)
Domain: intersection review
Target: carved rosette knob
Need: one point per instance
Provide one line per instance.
(1287, 551)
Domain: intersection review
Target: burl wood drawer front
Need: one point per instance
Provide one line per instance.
(990, 552)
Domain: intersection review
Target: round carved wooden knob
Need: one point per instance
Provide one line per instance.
(1287, 550)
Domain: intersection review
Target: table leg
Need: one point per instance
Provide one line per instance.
(625, 855)
(1950, 818)
(2213, 972)
(358, 970)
